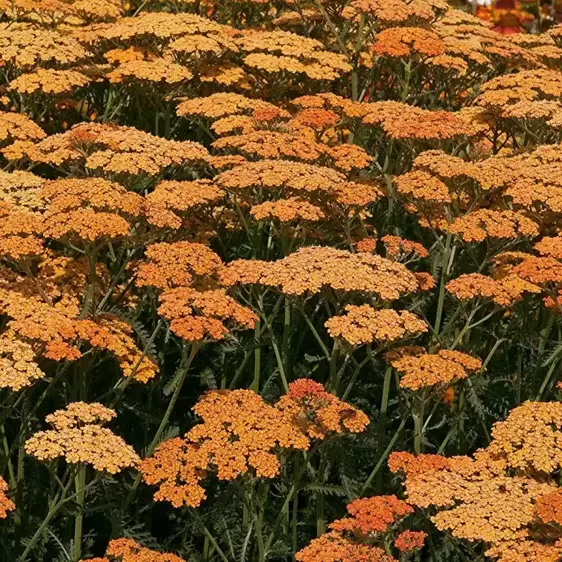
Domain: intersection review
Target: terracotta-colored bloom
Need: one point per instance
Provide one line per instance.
(407, 42)
(176, 264)
(364, 324)
(399, 248)
(128, 550)
(198, 315)
(372, 515)
(239, 433)
(6, 505)
(333, 547)
(422, 370)
(549, 508)
(317, 412)
(410, 541)
(79, 437)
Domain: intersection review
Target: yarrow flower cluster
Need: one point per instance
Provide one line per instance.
(78, 437)
(241, 434)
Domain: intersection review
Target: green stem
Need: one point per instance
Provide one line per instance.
(165, 419)
(80, 483)
(383, 458)
(384, 417)
(418, 424)
(441, 301)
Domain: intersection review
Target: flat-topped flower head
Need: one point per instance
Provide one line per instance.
(219, 105)
(402, 42)
(405, 122)
(176, 264)
(152, 73)
(365, 324)
(20, 233)
(115, 150)
(239, 434)
(504, 291)
(287, 210)
(88, 209)
(201, 315)
(49, 81)
(129, 550)
(308, 270)
(482, 224)
(386, 13)
(20, 189)
(16, 127)
(333, 547)
(173, 202)
(421, 370)
(78, 437)
(319, 413)
(530, 439)
(26, 46)
(18, 366)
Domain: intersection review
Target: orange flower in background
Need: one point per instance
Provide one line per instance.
(79, 437)
(176, 264)
(114, 150)
(504, 292)
(172, 201)
(425, 370)
(399, 248)
(21, 189)
(128, 550)
(310, 269)
(481, 224)
(318, 413)
(364, 324)
(287, 210)
(6, 505)
(407, 42)
(332, 547)
(199, 315)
